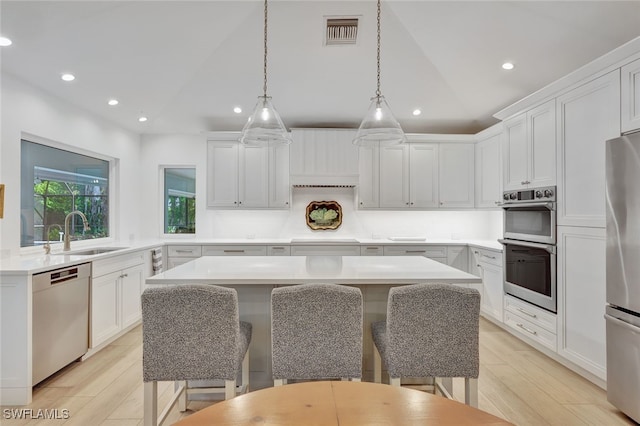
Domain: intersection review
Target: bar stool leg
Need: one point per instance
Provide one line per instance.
(150, 403)
(377, 365)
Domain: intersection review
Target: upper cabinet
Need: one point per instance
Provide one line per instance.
(530, 148)
(587, 116)
(417, 175)
(247, 176)
(488, 162)
(324, 156)
(630, 96)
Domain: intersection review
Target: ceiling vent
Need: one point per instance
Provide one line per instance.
(341, 31)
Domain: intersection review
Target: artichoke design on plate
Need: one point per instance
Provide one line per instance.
(323, 215)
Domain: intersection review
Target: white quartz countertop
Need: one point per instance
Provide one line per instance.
(38, 262)
(312, 269)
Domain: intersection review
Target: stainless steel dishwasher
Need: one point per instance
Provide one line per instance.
(60, 318)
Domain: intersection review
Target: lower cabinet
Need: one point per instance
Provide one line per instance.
(437, 253)
(582, 297)
(458, 258)
(530, 322)
(488, 265)
(116, 286)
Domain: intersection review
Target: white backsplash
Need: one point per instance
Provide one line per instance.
(355, 224)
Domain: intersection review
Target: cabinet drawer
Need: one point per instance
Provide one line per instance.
(278, 250)
(234, 250)
(530, 313)
(436, 252)
(371, 251)
(530, 330)
(184, 251)
(325, 250)
(487, 256)
(116, 263)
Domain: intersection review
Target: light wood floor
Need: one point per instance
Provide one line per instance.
(516, 383)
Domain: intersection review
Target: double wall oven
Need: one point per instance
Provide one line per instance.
(530, 245)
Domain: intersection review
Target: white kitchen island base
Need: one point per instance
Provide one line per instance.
(255, 277)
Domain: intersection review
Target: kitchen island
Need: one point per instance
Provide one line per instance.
(255, 276)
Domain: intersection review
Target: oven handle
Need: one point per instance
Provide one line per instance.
(550, 248)
(549, 205)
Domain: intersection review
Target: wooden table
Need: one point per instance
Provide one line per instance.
(343, 403)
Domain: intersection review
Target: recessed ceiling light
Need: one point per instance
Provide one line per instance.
(68, 77)
(237, 110)
(4, 41)
(142, 119)
(113, 102)
(417, 111)
(507, 66)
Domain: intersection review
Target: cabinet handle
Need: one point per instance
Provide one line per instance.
(415, 251)
(475, 252)
(184, 251)
(528, 330)
(286, 203)
(361, 203)
(412, 203)
(124, 275)
(490, 257)
(372, 248)
(524, 182)
(441, 203)
(234, 251)
(235, 202)
(407, 203)
(277, 248)
(498, 203)
(519, 309)
(239, 202)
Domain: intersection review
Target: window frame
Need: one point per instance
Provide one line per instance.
(161, 194)
(113, 194)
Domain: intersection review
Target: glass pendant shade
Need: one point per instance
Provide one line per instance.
(379, 126)
(264, 126)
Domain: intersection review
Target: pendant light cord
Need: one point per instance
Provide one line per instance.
(378, 60)
(264, 87)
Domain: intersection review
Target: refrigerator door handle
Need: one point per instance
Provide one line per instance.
(623, 324)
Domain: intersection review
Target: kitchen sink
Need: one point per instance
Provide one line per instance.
(91, 252)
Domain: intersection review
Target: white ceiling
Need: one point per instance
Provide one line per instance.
(186, 64)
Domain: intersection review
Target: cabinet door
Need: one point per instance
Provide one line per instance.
(457, 257)
(488, 172)
(582, 297)
(394, 176)
(131, 281)
(253, 178)
(587, 117)
(105, 316)
(631, 96)
(492, 284)
(541, 122)
(369, 178)
(515, 152)
(456, 168)
(279, 188)
(222, 174)
(423, 172)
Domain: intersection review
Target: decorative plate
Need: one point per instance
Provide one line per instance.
(324, 215)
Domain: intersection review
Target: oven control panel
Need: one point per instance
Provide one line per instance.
(543, 194)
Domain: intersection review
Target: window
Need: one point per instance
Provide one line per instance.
(179, 201)
(55, 182)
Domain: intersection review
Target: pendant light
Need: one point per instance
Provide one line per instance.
(379, 125)
(264, 126)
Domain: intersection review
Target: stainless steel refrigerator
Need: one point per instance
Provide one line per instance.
(623, 273)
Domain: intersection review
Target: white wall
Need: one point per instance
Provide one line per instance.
(190, 150)
(27, 110)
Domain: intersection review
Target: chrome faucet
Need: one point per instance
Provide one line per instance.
(47, 246)
(67, 237)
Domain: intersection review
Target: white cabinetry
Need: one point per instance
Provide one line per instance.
(631, 96)
(530, 148)
(324, 156)
(417, 175)
(488, 265)
(488, 170)
(582, 298)
(116, 286)
(456, 169)
(458, 258)
(530, 322)
(437, 253)
(247, 176)
(179, 254)
(234, 250)
(325, 250)
(587, 117)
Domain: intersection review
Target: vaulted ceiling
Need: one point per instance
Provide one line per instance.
(187, 64)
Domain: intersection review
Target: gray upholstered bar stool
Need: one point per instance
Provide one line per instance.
(191, 332)
(432, 330)
(316, 332)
